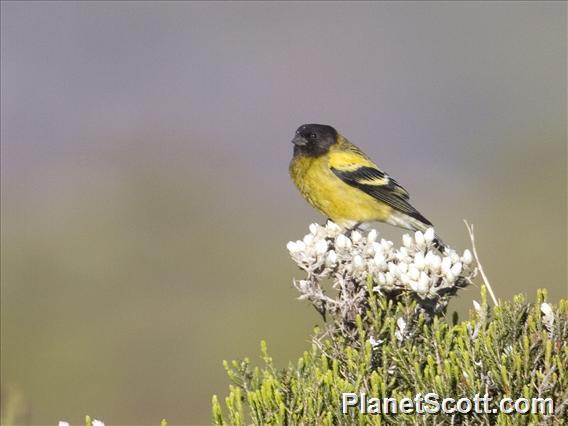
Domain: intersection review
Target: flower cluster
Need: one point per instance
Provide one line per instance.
(352, 260)
(548, 318)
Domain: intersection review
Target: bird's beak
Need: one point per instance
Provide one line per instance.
(299, 141)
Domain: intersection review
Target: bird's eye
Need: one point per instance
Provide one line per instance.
(313, 136)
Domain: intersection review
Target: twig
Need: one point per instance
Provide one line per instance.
(485, 279)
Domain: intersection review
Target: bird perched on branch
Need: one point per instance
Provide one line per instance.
(339, 180)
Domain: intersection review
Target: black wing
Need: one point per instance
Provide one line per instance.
(381, 186)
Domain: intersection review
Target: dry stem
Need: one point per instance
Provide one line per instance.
(485, 279)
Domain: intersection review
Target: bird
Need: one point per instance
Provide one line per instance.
(344, 184)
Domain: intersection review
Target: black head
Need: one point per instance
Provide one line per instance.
(314, 139)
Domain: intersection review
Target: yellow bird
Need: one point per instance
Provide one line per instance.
(339, 180)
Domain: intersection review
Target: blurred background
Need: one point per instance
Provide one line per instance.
(146, 202)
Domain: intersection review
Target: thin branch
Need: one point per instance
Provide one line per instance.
(485, 279)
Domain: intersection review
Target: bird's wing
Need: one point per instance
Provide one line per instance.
(355, 169)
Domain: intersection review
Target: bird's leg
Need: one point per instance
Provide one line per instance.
(353, 228)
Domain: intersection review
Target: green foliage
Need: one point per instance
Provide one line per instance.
(505, 351)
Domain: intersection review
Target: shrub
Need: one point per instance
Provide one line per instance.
(388, 338)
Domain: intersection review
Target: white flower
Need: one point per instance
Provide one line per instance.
(96, 422)
(386, 244)
(419, 260)
(548, 316)
(467, 258)
(327, 253)
(331, 258)
(419, 238)
(456, 268)
(423, 284)
(332, 229)
(401, 329)
(321, 247)
(393, 269)
(372, 236)
(374, 342)
(358, 263)
(407, 241)
(413, 272)
(404, 279)
(356, 236)
(454, 257)
(314, 228)
(429, 235)
(435, 261)
(446, 264)
(295, 247)
(308, 239)
(380, 261)
(476, 306)
(378, 248)
(63, 423)
(342, 242)
(450, 277)
(546, 309)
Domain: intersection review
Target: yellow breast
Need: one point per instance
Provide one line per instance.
(337, 200)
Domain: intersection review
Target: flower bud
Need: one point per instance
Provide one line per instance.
(314, 228)
(380, 261)
(378, 248)
(467, 258)
(546, 309)
(372, 236)
(331, 259)
(423, 283)
(358, 264)
(454, 257)
(419, 260)
(295, 247)
(435, 262)
(386, 244)
(419, 238)
(291, 246)
(407, 241)
(341, 242)
(321, 247)
(446, 264)
(332, 228)
(356, 236)
(456, 269)
(413, 272)
(429, 235)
